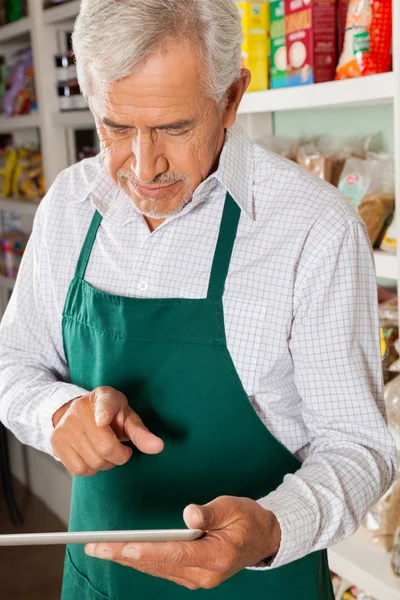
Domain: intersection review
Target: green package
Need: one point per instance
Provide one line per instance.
(278, 44)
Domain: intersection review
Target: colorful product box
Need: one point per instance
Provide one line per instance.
(342, 7)
(255, 49)
(278, 44)
(310, 28)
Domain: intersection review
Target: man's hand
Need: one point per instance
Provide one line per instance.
(240, 533)
(89, 431)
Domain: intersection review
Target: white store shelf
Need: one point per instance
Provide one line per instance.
(22, 207)
(75, 119)
(12, 31)
(363, 91)
(386, 265)
(22, 122)
(7, 282)
(65, 12)
(366, 565)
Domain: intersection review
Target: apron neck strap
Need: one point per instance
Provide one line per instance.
(222, 256)
(223, 251)
(87, 246)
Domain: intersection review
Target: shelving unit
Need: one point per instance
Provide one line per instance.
(58, 14)
(30, 121)
(14, 31)
(356, 559)
(22, 207)
(359, 560)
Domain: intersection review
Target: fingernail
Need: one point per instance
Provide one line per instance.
(99, 416)
(89, 549)
(131, 552)
(199, 514)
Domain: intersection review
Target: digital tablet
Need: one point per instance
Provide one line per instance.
(86, 537)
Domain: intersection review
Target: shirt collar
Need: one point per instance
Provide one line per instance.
(236, 168)
(235, 174)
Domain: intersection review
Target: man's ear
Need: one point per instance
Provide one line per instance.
(235, 94)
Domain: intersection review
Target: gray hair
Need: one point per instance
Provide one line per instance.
(113, 37)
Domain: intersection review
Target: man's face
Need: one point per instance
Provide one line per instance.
(160, 138)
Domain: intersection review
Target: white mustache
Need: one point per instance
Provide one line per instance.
(160, 180)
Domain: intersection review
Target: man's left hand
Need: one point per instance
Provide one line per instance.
(240, 533)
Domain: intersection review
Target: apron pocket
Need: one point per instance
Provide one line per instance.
(76, 586)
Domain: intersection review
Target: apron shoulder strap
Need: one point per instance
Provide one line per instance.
(88, 245)
(223, 251)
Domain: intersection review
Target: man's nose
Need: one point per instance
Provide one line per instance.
(147, 162)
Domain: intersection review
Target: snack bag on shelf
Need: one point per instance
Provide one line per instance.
(368, 39)
(355, 593)
(281, 145)
(8, 159)
(389, 242)
(389, 332)
(311, 158)
(255, 48)
(369, 185)
(384, 516)
(310, 29)
(28, 180)
(278, 44)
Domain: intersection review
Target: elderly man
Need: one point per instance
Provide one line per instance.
(194, 328)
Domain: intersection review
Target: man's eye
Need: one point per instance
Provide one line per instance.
(175, 133)
(120, 130)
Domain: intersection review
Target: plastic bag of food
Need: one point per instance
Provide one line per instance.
(389, 242)
(281, 145)
(384, 517)
(369, 185)
(368, 39)
(318, 162)
(342, 149)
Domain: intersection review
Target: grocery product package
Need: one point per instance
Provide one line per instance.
(342, 8)
(281, 145)
(384, 516)
(369, 185)
(368, 39)
(278, 44)
(389, 333)
(256, 42)
(314, 160)
(326, 156)
(389, 241)
(310, 29)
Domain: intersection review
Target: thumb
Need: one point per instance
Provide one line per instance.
(208, 517)
(107, 403)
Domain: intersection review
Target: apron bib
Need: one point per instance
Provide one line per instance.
(170, 358)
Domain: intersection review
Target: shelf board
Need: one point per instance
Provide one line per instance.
(366, 565)
(24, 122)
(65, 12)
(7, 282)
(75, 119)
(22, 207)
(15, 30)
(372, 90)
(386, 265)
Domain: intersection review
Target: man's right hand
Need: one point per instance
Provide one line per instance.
(89, 431)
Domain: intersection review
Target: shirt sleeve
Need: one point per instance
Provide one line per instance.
(335, 347)
(34, 376)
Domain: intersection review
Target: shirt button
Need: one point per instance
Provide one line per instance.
(143, 286)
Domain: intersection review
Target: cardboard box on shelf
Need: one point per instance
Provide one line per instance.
(255, 49)
(278, 44)
(310, 40)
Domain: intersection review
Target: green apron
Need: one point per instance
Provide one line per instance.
(170, 358)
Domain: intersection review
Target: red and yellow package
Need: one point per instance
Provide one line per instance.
(368, 39)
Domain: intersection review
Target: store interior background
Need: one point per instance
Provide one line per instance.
(47, 483)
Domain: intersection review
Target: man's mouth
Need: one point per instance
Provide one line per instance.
(150, 192)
